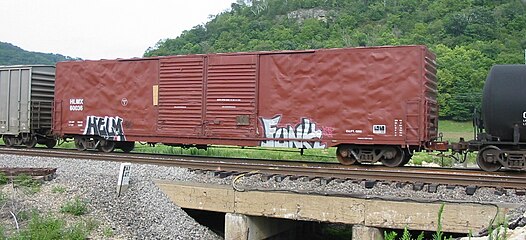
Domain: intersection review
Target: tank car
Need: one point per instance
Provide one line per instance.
(375, 104)
(26, 98)
(501, 137)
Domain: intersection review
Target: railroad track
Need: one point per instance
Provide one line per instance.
(472, 178)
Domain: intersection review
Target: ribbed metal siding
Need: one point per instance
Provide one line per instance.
(26, 98)
(230, 96)
(430, 93)
(42, 95)
(181, 95)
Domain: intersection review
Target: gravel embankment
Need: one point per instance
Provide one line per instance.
(144, 212)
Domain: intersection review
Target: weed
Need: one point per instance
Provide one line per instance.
(76, 232)
(108, 232)
(390, 235)
(58, 189)
(2, 233)
(26, 182)
(3, 198)
(76, 207)
(24, 215)
(406, 235)
(91, 224)
(3, 179)
(420, 236)
(438, 235)
(498, 235)
(43, 228)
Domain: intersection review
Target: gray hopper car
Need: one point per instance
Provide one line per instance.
(26, 103)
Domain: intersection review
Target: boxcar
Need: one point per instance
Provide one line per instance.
(26, 98)
(372, 103)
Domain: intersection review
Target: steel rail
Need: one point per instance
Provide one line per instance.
(438, 176)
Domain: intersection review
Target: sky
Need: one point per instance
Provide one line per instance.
(100, 29)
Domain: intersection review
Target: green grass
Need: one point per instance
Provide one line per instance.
(48, 227)
(27, 183)
(108, 232)
(3, 178)
(453, 131)
(58, 189)
(319, 155)
(76, 207)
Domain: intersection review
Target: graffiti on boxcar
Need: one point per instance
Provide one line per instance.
(305, 130)
(327, 131)
(106, 127)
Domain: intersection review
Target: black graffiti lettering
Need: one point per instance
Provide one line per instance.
(117, 127)
(106, 127)
(91, 127)
(306, 130)
(103, 130)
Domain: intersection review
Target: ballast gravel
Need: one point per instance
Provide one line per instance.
(144, 212)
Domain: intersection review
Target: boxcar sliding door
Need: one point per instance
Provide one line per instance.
(181, 96)
(231, 96)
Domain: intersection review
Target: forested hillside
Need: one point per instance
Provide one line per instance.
(13, 55)
(468, 36)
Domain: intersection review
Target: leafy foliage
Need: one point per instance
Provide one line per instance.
(467, 36)
(13, 55)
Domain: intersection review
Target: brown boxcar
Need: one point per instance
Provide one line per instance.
(373, 103)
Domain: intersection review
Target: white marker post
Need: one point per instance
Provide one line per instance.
(124, 178)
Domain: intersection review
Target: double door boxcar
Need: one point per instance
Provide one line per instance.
(351, 98)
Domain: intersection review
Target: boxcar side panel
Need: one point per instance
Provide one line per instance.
(361, 96)
(113, 98)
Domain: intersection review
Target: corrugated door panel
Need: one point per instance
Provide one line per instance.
(430, 93)
(42, 94)
(231, 96)
(181, 95)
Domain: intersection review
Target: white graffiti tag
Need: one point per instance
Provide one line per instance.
(305, 130)
(106, 127)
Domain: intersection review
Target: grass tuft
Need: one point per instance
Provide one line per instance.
(76, 207)
(26, 182)
(3, 179)
(58, 189)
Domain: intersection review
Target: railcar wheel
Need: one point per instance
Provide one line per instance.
(127, 146)
(51, 143)
(407, 158)
(344, 156)
(488, 159)
(79, 144)
(107, 146)
(32, 142)
(398, 158)
(9, 141)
